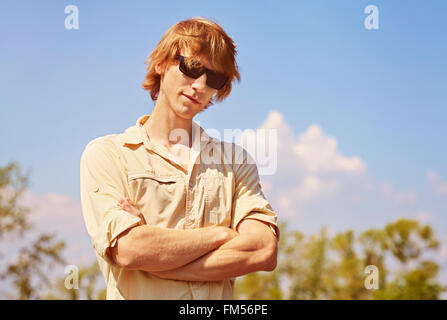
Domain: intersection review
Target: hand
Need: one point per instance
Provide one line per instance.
(128, 206)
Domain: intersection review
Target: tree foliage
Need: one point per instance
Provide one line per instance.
(322, 267)
(29, 273)
(13, 218)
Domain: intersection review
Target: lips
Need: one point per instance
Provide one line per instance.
(192, 99)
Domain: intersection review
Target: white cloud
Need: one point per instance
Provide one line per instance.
(275, 120)
(310, 169)
(310, 189)
(313, 151)
(398, 197)
(311, 186)
(424, 217)
(54, 211)
(443, 251)
(439, 186)
(318, 153)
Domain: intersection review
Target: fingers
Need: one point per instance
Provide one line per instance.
(128, 206)
(142, 218)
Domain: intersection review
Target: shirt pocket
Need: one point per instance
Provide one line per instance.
(217, 199)
(159, 197)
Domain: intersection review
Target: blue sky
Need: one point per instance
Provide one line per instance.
(380, 93)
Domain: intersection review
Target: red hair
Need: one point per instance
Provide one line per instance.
(198, 36)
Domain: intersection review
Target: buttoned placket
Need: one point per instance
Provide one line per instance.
(191, 220)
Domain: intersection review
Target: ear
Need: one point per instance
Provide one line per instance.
(160, 68)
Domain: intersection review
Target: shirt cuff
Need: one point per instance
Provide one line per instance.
(115, 223)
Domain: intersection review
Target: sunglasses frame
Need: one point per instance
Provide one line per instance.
(210, 74)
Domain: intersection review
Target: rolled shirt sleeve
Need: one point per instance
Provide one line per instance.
(103, 183)
(249, 201)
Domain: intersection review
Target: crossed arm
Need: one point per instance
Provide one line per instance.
(254, 249)
(206, 254)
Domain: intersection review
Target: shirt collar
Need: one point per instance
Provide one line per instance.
(137, 134)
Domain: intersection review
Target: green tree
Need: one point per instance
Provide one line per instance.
(416, 284)
(374, 245)
(347, 283)
(259, 286)
(407, 239)
(322, 267)
(307, 266)
(29, 272)
(13, 218)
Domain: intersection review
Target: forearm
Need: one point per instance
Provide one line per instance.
(150, 248)
(239, 256)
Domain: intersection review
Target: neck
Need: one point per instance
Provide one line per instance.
(161, 125)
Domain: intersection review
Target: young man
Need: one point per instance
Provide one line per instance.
(176, 219)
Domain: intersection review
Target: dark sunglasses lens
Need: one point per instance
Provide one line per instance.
(192, 72)
(215, 80)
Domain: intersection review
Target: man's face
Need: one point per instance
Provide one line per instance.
(184, 95)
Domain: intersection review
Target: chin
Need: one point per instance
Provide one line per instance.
(186, 112)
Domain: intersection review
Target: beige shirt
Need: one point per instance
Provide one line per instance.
(223, 192)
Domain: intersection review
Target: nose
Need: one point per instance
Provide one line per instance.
(200, 82)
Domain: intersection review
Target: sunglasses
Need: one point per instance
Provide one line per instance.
(194, 69)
